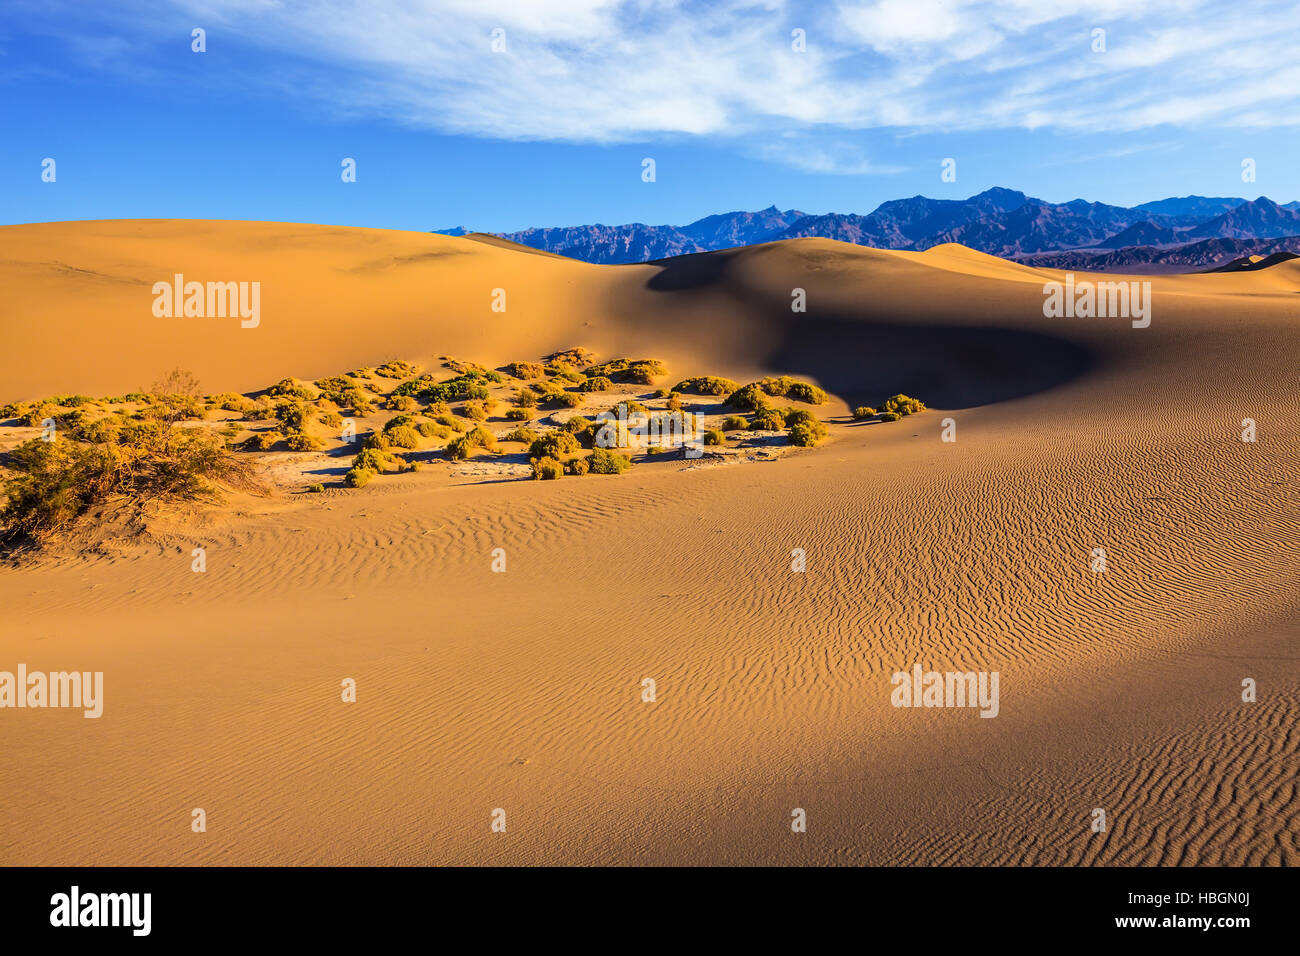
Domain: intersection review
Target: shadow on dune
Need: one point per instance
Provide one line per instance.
(864, 355)
(947, 366)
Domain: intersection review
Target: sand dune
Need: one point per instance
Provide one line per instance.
(522, 690)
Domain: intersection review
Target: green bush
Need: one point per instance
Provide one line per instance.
(231, 402)
(576, 425)
(474, 411)
(601, 461)
(464, 446)
(397, 369)
(288, 388)
(576, 466)
(52, 484)
(734, 423)
(516, 415)
(37, 414)
(597, 383)
(262, 441)
(569, 399)
(525, 435)
(903, 405)
(556, 444)
(400, 403)
(706, 385)
(374, 459)
(768, 420)
(890, 416)
(403, 436)
(316, 488)
(433, 430)
(749, 398)
(863, 412)
(301, 441)
(639, 371)
(526, 370)
(807, 431)
(546, 469)
(714, 437)
(358, 477)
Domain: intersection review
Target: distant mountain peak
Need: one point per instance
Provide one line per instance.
(998, 221)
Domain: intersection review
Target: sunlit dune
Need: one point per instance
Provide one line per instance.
(478, 689)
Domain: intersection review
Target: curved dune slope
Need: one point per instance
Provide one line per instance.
(477, 690)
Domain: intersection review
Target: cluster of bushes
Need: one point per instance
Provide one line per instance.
(895, 407)
(466, 386)
(636, 371)
(601, 461)
(706, 385)
(784, 385)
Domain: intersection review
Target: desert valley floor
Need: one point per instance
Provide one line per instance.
(522, 690)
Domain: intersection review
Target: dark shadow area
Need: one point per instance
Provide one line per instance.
(946, 366)
(866, 355)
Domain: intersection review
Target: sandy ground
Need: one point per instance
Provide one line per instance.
(522, 691)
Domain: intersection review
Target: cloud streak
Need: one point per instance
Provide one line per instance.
(617, 71)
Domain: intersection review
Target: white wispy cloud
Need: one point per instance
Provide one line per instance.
(611, 71)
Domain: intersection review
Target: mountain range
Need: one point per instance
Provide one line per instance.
(1175, 233)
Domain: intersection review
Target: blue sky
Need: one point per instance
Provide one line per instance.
(552, 129)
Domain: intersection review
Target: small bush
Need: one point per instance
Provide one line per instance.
(768, 420)
(890, 416)
(433, 430)
(546, 469)
(903, 405)
(231, 402)
(569, 399)
(403, 436)
(358, 477)
(576, 425)
(597, 383)
(749, 398)
(714, 437)
(807, 431)
(601, 461)
(288, 388)
(576, 466)
(464, 446)
(734, 423)
(526, 370)
(863, 412)
(555, 444)
(316, 488)
(516, 415)
(400, 403)
(706, 385)
(397, 369)
(262, 441)
(525, 435)
(301, 441)
(474, 411)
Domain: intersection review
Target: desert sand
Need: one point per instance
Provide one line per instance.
(479, 690)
